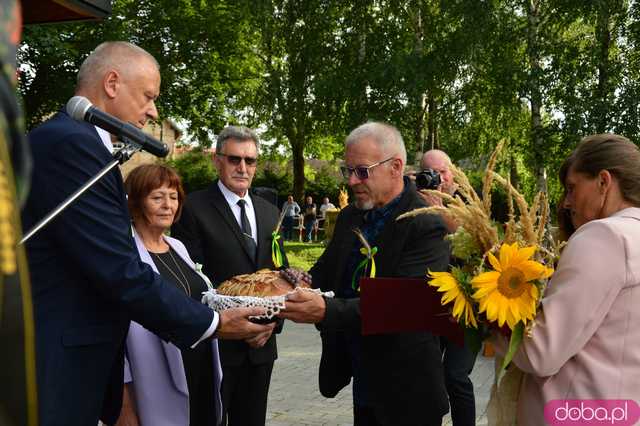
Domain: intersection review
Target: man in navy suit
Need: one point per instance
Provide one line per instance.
(88, 281)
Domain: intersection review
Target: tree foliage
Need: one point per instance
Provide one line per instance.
(195, 169)
(204, 48)
(457, 74)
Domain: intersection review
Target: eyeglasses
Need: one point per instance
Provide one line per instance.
(235, 159)
(362, 172)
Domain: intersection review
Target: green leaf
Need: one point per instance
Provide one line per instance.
(514, 343)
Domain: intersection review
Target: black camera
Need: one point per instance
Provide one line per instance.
(428, 179)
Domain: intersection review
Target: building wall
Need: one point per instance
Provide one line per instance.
(166, 132)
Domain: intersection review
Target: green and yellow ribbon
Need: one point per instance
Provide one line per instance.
(276, 253)
(362, 266)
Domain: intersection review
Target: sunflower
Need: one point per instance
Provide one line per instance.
(509, 293)
(462, 307)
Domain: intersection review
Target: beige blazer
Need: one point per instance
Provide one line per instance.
(586, 341)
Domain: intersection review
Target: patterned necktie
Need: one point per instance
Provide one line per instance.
(245, 227)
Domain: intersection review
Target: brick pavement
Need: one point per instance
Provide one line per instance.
(294, 398)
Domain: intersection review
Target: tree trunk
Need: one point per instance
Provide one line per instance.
(362, 99)
(297, 148)
(432, 123)
(603, 36)
(535, 92)
(419, 124)
(420, 100)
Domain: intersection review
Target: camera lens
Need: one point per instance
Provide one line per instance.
(428, 179)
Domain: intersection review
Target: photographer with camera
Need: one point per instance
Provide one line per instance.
(458, 362)
(436, 174)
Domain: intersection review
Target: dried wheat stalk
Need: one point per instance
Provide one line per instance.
(487, 179)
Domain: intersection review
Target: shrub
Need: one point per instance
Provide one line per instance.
(196, 170)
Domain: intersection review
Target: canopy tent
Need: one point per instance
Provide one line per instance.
(49, 11)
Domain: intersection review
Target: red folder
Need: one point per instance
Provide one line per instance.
(393, 305)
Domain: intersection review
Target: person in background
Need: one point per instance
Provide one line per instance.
(228, 231)
(326, 205)
(458, 361)
(440, 162)
(309, 212)
(586, 344)
(290, 210)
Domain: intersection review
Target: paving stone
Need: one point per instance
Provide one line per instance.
(294, 398)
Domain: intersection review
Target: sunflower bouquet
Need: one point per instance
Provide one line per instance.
(502, 268)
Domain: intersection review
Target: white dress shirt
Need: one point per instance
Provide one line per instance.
(105, 137)
(232, 199)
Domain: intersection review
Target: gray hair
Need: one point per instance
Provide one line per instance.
(239, 133)
(118, 55)
(385, 135)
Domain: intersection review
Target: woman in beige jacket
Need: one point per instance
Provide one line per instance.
(586, 340)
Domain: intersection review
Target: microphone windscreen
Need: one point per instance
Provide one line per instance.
(77, 107)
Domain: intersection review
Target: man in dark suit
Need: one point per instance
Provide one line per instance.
(229, 231)
(458, 361)
(88, 280)
(397, 378)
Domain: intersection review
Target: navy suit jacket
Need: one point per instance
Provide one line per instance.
(88, 280)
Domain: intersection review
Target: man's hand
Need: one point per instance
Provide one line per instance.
(305, 307)
(259, 340)
(430, 199)
(234, 324)
(128, 415)
(296, 276)
(434, 200)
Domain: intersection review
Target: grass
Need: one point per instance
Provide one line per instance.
(303, 255)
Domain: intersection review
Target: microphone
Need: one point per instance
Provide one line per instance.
(81, 109)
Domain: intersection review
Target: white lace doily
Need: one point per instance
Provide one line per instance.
(272, 304)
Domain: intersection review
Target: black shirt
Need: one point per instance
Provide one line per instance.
(309, 211)
(198, 365)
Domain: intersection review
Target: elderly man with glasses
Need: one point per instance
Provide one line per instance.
(397, 378)
(228, 231)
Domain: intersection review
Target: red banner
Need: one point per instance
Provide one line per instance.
(396, 305)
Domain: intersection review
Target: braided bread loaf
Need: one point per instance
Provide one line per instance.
(262, 283)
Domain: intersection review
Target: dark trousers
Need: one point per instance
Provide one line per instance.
(244, 394)
(458, 363)
(287, 225)
(365, 416)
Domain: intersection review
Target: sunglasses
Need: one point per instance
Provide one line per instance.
(361, 172)
(235, 160)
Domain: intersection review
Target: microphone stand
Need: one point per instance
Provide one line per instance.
(119, 157)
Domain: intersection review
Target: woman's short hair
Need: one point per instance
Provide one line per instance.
(144, 179)
(607, 151)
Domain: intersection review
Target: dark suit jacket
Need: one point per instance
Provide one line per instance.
(88, 280)
(213, 238)
(404, 370)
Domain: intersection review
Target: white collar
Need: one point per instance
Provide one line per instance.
(105, 137)
(233, 198)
